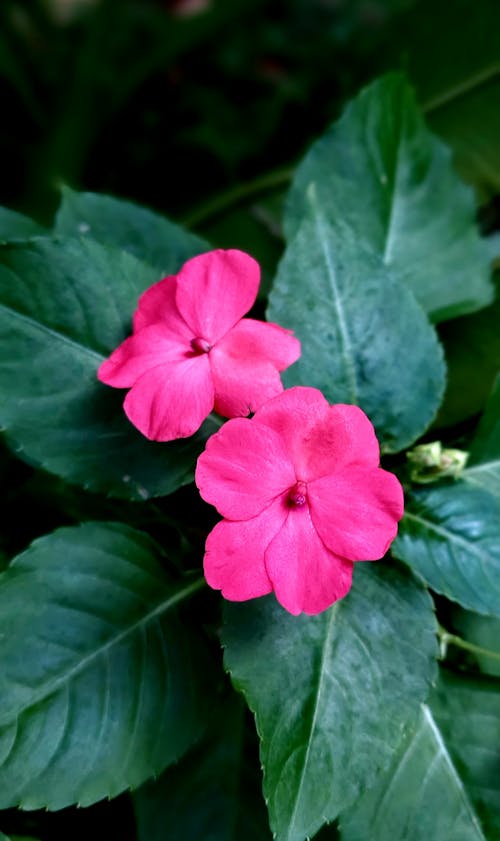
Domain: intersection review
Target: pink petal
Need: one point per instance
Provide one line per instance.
(153, 346)
(242, 386)
(171, 401)
(251, 339)
(158, 304)
(215, 290)
(234, 559)
(305, 575)
(356, 512)
(321, 438)
(243, 469)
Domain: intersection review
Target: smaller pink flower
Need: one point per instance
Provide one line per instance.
(192, 352)
(302, 496)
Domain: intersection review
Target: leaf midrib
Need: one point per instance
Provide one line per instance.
(443, 751)
(57, 683)
(322, 673)
(347, 353)
(49, 331)
(469, 546)
(393, 209)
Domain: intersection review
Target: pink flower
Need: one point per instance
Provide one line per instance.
(302, 496)
(192, 351)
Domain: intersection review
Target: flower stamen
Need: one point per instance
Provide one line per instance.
(297, 496)
(200, 345)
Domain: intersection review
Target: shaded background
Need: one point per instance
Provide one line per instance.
(200, 109)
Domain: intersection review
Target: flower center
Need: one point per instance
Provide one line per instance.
(297, 496)
(200, 345)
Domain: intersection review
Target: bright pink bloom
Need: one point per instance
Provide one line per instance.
(192, 351)
(302, 496)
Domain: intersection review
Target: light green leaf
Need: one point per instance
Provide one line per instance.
(353, 320)
(332, 694)
(450, 535)
(420, 797)
(64, 306)
(213, 794)
(100, 682)
(15, 226)
(484, 464)
(382, 173)
(146, 235)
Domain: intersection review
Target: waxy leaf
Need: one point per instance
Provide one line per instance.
(332, 694)
(484, 464)
(15, 226)
(450, 535)
(381, 172)
(212, 794)
(421, 796)
(132, 228)
(64, 306)
(354, 320)
(100, 682)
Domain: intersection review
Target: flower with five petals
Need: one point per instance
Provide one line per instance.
(192, 351)
(303, 497)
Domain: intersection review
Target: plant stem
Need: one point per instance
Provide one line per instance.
(267, 183)
(446, 639)
(189, 589)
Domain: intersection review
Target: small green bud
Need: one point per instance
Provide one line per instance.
(431, 462)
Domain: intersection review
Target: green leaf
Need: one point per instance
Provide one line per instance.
(132, 228)
(483, 633)
(472, 351)
(64, 306)
(467, 711)
(353, 320)
(19, 838)
(460, 92)
(100, 682)
(484, 464)
(15, 226)
(381, 172)
(332, 693)
(212, 794)
(450, 535)
(422, 795)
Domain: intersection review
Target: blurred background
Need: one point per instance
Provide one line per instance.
(173, 103)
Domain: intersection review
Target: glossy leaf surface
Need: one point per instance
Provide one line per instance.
(333, 693)
(92, 651)
(14, 226)
(382, 173)
(450, 535)
(421, 796)
(129, 227)
(353, 320)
